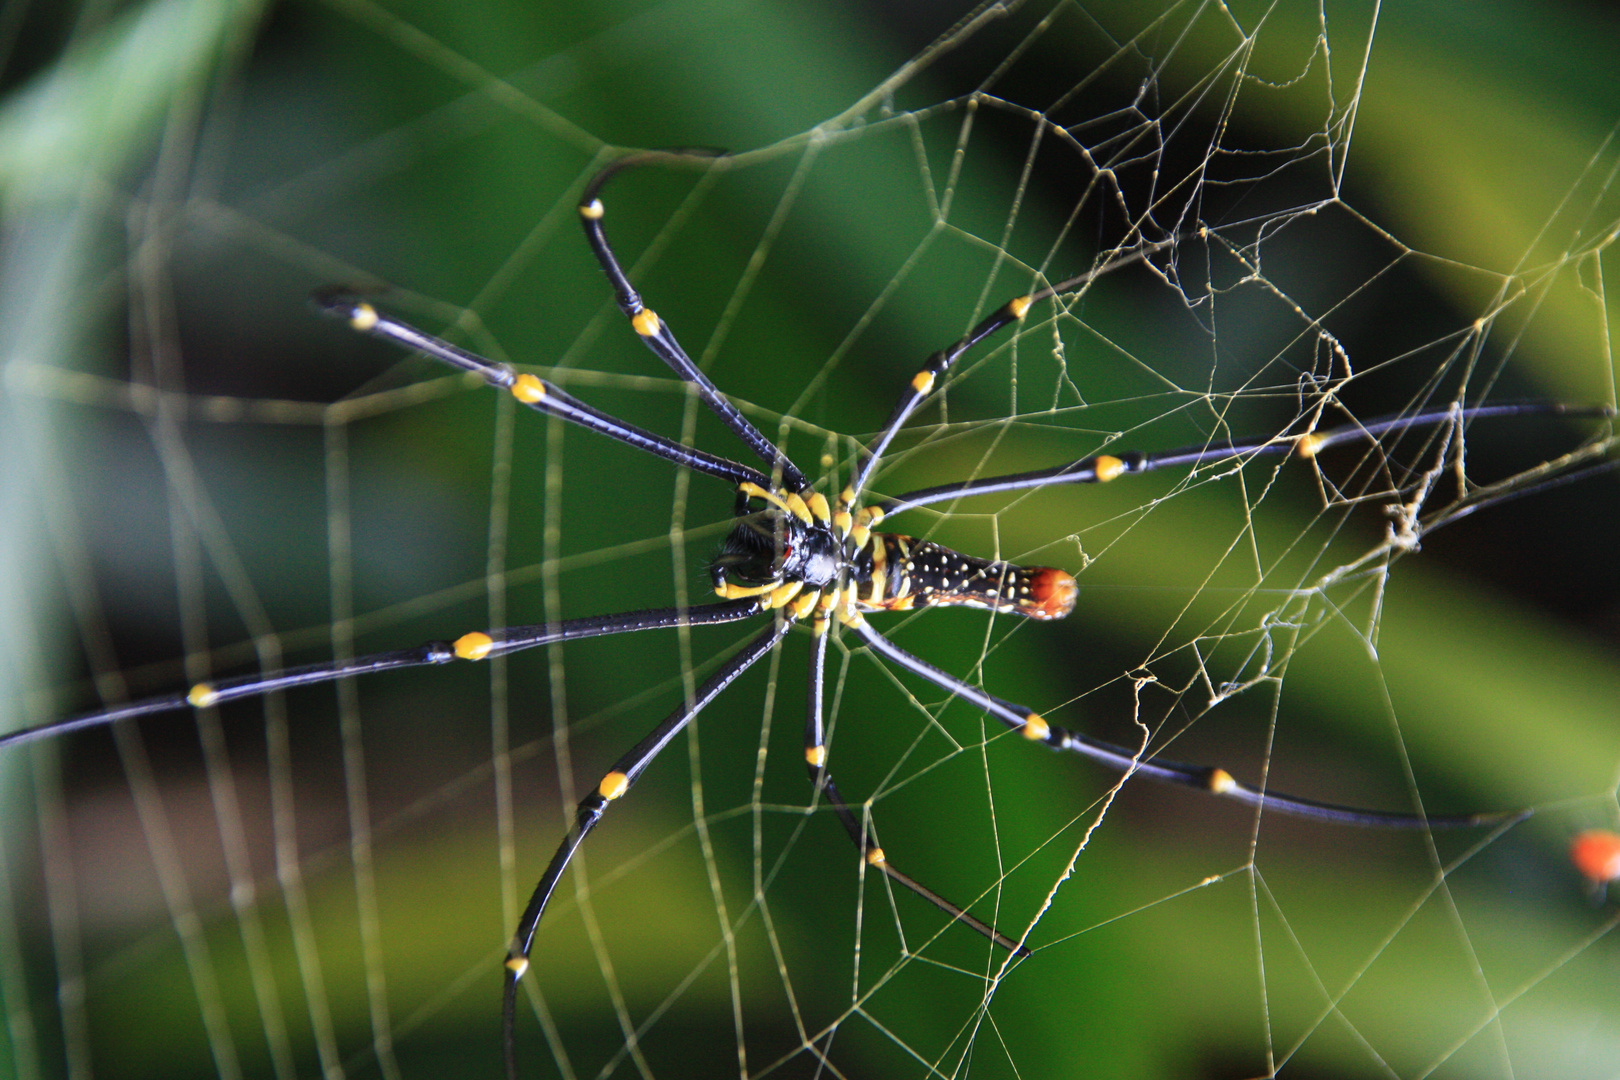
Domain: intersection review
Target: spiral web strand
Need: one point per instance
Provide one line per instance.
(1300, 219)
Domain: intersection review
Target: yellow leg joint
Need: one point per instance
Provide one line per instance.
(202, 695)
(875, 856)
(816, 755)
(528, 389)
(1108, 467)
(818, 506)
(646, 322)
(592, 211)
(783, 593)
(613, 785)
(732, 591)
(1035, 728)
(364, 318)
(1221, 782)
(754, 491)
(1307, 445)
(474, 646)
(923, 381)
(1019, 306)
(803, 605)
(798, 508)
(517, 965)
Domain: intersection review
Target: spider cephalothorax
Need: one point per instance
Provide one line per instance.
(788, 539)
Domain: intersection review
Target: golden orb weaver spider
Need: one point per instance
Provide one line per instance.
(796, 555)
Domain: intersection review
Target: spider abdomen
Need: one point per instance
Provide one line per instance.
(909, 573)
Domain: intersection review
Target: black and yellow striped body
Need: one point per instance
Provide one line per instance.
(903, 573)
(796, 554)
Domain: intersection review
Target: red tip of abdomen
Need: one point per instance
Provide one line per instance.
(1596, 854)
(1051, 593)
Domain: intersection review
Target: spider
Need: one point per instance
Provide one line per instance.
(795, 556)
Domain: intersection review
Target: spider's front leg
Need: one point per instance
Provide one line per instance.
(655, 332)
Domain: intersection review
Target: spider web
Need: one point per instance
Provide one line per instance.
(1345, 212)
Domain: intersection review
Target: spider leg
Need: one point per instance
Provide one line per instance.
(923, 383)
(613, 786)
(532, 391)
(478, 645)
(656, 334)
(1216, 781)
(1101, 468)
(815, 757)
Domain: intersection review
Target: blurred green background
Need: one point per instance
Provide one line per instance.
(179, 175)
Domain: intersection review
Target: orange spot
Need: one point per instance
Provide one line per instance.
(474, 646)
(528, 389)
(1051, 593)
(1107, 467)
(645, 322)
(1596, 854)
(613, 785)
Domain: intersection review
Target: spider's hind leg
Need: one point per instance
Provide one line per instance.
(815, 758)
(612, 787)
